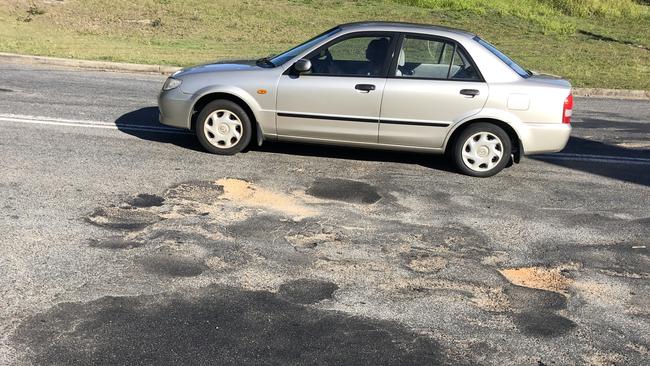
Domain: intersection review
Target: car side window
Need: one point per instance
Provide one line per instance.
(434, 59)
(355, 56)
(465, 70)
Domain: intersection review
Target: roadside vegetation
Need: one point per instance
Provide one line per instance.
(594, 43)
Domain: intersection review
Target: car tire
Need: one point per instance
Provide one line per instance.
(223, 127)
(482, 150)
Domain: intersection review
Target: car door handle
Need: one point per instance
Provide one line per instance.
(470, 92)
(365, 87)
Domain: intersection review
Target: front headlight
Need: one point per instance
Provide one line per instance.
(171, 83)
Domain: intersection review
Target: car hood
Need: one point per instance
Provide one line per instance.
(219, 66)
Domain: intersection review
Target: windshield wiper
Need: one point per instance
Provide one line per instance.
(265, 61)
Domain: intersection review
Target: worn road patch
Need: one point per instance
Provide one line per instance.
(221, 325)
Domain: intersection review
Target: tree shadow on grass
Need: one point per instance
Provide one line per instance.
(604, 38)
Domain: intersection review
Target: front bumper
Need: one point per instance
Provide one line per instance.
(175, 108)
(545, 138)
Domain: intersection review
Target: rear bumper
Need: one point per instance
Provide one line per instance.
(175, 108)
(545, 138)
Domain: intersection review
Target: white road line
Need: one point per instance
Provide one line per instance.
(595, 159)
(627, 158)
(43, 118)
(40, 120)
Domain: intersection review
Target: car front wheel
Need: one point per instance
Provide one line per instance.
(223, 127)
(482, 150)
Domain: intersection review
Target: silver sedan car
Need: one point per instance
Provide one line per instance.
(378, 85)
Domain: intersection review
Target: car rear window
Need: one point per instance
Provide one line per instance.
(507, 60)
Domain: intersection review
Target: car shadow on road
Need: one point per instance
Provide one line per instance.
(436, 162)
(143, 123)
(621, 163)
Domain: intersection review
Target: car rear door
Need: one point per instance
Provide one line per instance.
(340, 98)
(432, 84)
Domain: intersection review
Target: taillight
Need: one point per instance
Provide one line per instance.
(567, 111)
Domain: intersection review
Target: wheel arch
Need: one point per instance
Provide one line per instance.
(517, 147)
(210, 96)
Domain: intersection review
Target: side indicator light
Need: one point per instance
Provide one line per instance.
(262, 91)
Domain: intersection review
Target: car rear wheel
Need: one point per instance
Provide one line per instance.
(223, 127)
(482, 150)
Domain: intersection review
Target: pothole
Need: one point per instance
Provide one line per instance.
(543, 324)
(311, 236)
(144, 200)
(427, 264)
(115, 243)
(307, 291)
(122, 218)
(344, 190)
(197, 191)
(174, 266)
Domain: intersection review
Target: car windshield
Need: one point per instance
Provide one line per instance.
(507, 60)
(282, 58)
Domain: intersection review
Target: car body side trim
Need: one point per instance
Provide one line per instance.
(356, 119)
(327, 117)
(413, 123)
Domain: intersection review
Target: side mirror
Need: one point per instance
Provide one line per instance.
(302, 65)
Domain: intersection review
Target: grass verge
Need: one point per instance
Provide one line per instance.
(594, 43)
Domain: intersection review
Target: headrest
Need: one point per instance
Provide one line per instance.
(377, 49)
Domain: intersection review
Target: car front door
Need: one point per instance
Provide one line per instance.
(432, 84)
(339, 99)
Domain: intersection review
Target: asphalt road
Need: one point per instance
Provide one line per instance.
(122, 243)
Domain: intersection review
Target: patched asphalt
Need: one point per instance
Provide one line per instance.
(131, 246)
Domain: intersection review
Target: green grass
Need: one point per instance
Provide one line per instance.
(594, 43)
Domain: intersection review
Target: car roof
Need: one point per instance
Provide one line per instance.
(405, 27)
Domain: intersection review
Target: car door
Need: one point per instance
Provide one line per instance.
(339, 99)
(433, 84)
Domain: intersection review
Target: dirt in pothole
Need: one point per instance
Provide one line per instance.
(549, 279)
(245, 193)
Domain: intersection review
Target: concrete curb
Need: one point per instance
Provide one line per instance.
(166, 70)
(611, 93)
(87, 64)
